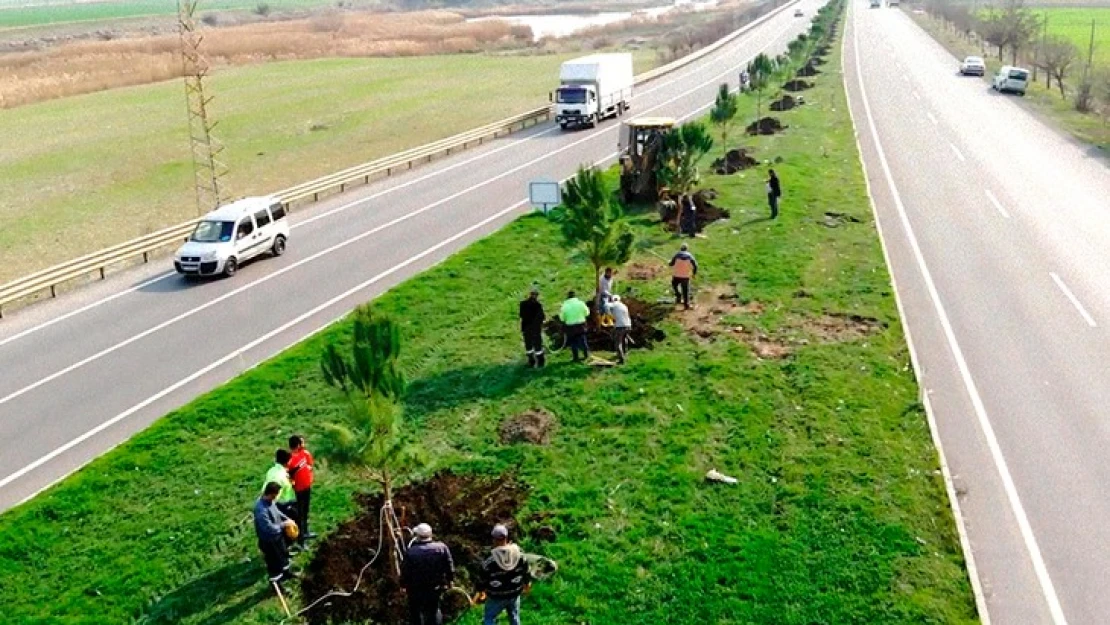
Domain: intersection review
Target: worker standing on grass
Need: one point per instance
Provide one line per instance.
(504, 577)
(286, 500)
(269, 525)
(685, 268)
(622, 326)
(425, 573)
(774, 192)
(301, 467)
(574, 313)
(531, 326)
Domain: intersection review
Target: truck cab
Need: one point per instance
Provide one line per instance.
(574, 103)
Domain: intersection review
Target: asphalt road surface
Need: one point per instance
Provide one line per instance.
(997, 228)
(85, 372)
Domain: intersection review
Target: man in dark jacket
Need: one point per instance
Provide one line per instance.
(269, 525)
(774, 192)
(427, 570)
(504, 577)
(531, 326)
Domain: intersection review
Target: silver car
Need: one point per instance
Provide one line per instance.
(973, 66)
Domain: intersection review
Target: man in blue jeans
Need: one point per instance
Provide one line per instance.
(504, 577)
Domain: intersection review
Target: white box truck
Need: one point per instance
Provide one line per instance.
(592, 88)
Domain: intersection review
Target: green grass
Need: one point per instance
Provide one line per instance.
(81, 173)
(12, 16)
(1088, 128)
(839, 515)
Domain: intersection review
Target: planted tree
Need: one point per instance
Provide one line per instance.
(724, 113)
(592, 220)
(370, 438)
(677, 165)
(760, 71)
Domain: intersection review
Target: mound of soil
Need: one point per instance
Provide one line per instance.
(641, 271)
(809, 70)
(530, 426)
(644, 333)
(461, 508)
(765, 126)
(785, 104)
(706, 211)
(734, 161)
(797, 85)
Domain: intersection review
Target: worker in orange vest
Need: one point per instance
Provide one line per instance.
(685, 267)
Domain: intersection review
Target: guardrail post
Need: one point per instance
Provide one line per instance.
(53, 291)
(146, 259)
(101, 273)
(342, 187)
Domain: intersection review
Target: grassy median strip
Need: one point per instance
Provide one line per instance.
(839, 514)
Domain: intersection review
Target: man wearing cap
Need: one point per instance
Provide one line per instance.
(531, 326)
(427, 570)
(622, 325)
(504, 577)
(269, 526)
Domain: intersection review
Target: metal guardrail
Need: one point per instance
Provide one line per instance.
(98, 262)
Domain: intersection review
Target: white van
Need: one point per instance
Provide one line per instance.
(233, 234)
(1012, 79)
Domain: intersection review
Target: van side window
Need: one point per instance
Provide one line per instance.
(245, 227)
(278, 211)
(262, 218)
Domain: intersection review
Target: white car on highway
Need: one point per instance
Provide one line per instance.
(973, 66)
(1012, 79)
(233, 234)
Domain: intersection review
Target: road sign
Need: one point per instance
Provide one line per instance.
(544, 194)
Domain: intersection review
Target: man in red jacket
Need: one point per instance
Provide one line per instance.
(300, 468)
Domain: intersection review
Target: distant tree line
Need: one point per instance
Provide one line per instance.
(1020, 36)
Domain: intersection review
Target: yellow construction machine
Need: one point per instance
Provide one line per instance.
(640, 142)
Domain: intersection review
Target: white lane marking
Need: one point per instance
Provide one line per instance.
(438, 172)
(170, 389)
(997, 204)
(1037, 559)
(959, 154)
(1074, 300)
(337, 246)
(931, 118)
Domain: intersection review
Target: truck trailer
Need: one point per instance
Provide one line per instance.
(592, 88)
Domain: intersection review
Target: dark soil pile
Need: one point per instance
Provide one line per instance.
(785, 104)
(530, 426)
(839, 327)
(644, 333)
(734, 161)
(810, 69)
(765, 126)
(461, 508)
(835, 220)
(706, 211)
(797, 85)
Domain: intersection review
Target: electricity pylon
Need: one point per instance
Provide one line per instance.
(208, 169)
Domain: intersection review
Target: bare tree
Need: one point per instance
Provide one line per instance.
(1102, 94)
(992, 28)
(1056, 56)
(1020, 27)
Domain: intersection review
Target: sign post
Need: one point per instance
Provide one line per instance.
(544, 194)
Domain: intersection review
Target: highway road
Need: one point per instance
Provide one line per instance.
(85, 372)
(997, 229)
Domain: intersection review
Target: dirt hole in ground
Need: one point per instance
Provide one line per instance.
(839, 327)
(706, 211)
(530, 426)
(642, 271)
(797, 85)
(706, 319)
(462, 509)
(644, 334)
(835, 220)
(735, 160)
(785, 104)
(765, 126)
